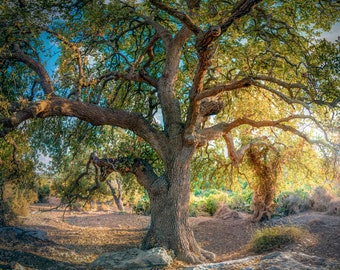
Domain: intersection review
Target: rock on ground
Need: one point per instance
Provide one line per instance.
(132, 259)
(274, 261)
(14, 233)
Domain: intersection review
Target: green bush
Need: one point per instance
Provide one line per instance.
(193, 209)
(240, 202)
(211, 205)
(142, 207)
(271, 238)
(206, 203)
(43, 193)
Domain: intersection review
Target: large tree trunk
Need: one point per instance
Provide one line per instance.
(169, 199)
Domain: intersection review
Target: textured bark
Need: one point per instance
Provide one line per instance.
(169, 199)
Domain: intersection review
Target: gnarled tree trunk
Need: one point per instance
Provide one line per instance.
(169, 199)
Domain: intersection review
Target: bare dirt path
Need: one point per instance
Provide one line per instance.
(77, 240)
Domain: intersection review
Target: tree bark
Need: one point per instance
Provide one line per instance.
(169, 201)
(116, 198)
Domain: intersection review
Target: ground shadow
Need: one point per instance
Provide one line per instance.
(26, 259)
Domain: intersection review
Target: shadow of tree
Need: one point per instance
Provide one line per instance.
(27, 259)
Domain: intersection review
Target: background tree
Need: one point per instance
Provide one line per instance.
(18, 179)
(161, 69)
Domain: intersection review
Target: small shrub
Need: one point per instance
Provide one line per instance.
(320, 199)
(334, 207)
(207, 203)
(293, 202)
(224, 212)
(193, 209)
(104, 207)
(271, 238)
(43, 193)
(19, 200)
(240, 202)
(142, 207)
(211, 205)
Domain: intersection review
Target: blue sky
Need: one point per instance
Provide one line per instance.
(334, 34)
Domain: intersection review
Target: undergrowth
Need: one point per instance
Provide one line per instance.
(272, 238)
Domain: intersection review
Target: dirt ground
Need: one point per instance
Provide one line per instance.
(77, 240)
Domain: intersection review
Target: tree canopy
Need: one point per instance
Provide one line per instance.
(176, 75)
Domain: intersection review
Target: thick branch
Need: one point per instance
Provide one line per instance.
(45, 80)
(184, 18)
(242, 8)
(139, 167)
(91, 113)
(161, 31)
(236, 155)
(215, 90)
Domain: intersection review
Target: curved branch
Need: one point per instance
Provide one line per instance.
(280, 94)
(248, 81)
(242, 8)
(236, 155)
(184, 18)
(45, 81)
(90, 113)
(279, 82)
(218, 130)
(215, 90)
(161, 31)
(139, 167)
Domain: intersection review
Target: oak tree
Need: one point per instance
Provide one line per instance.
(177, 74)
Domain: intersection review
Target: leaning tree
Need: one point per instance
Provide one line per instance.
(169, 72)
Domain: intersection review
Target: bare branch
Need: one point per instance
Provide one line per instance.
(248, 81)
(149, 51)
(279, 82)
(114, 75)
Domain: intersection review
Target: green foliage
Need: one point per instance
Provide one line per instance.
(272, 238)
(142, 206)
(19, 200)
(277, 39)
(207, 202)
(43, 193)
(240, 201)
(17, 176)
